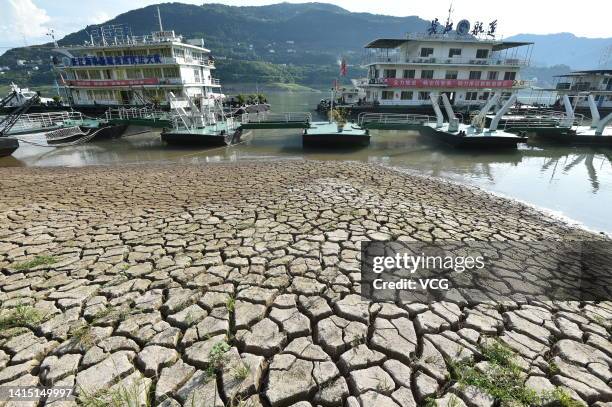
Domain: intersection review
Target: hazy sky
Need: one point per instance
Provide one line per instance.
(26, 21)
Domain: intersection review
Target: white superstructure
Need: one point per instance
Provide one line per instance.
(578, 85)
(468, 68)
(22, 95)
(117, 68)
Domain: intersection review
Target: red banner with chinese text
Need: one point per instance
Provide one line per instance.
(447, 83)
(113, 82)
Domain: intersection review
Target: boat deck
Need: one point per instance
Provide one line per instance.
(589, 131)
(326, 133)
(215, 135)
(468, 136)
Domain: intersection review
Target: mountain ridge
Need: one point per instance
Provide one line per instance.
(286, 42)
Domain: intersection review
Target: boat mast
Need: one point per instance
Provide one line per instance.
(161, 28)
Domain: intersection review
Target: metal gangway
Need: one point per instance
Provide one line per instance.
(36, 122)
(393, 121)
(545, 120)
(269, 120)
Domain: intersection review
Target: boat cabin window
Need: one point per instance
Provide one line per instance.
(171, 72)
(427, 74)
(406, 95)
(451, 75)
(482, 53)
(475, 74)
(510, 76)
(133, 73)
(454, 52)
(492, 75)
(409, 74)
(425, 52)
(389, 73)
(484, 96)
(423, 95)
(471, 95)
(387, 94)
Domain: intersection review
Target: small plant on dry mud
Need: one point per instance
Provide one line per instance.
(37, 261)
(504, 380)
(230, 304)
(242, 371)
(134, 395)
(216, 357)
(20, 316)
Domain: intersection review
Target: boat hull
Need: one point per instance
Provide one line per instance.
(110, 131)
(332, 140)
(573, 139)
(326, 134)
(8, 146)
(488, 142)
(190, 139)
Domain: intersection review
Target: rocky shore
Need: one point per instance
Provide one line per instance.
(238, 285)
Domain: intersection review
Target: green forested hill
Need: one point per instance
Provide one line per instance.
(290, 43)
(294, 43)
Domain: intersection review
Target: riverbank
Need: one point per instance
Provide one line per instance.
(155, 278)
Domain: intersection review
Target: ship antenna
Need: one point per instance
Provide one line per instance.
(161, 28)
(450, 10)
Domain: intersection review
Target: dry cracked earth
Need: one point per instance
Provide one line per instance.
(238, 285)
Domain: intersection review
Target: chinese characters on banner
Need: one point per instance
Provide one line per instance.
(447, 83)
(119, 60)
(114, 82)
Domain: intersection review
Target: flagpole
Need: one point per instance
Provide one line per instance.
(331, 109)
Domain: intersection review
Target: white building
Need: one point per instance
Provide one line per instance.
(120, 69)
(579, 84)
(403, 72)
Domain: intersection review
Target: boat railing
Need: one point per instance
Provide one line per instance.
(396, 58)
(286, 117)
(393, 118)
(124, 113)
(37, 121)
(556, 119)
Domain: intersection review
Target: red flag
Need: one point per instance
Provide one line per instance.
(343, 67)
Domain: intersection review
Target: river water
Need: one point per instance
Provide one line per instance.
(572, 182)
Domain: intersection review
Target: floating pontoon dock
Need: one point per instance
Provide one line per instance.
(219, 134)
(267, 120)
(454, 132)
(328, 134)
(566, 128)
